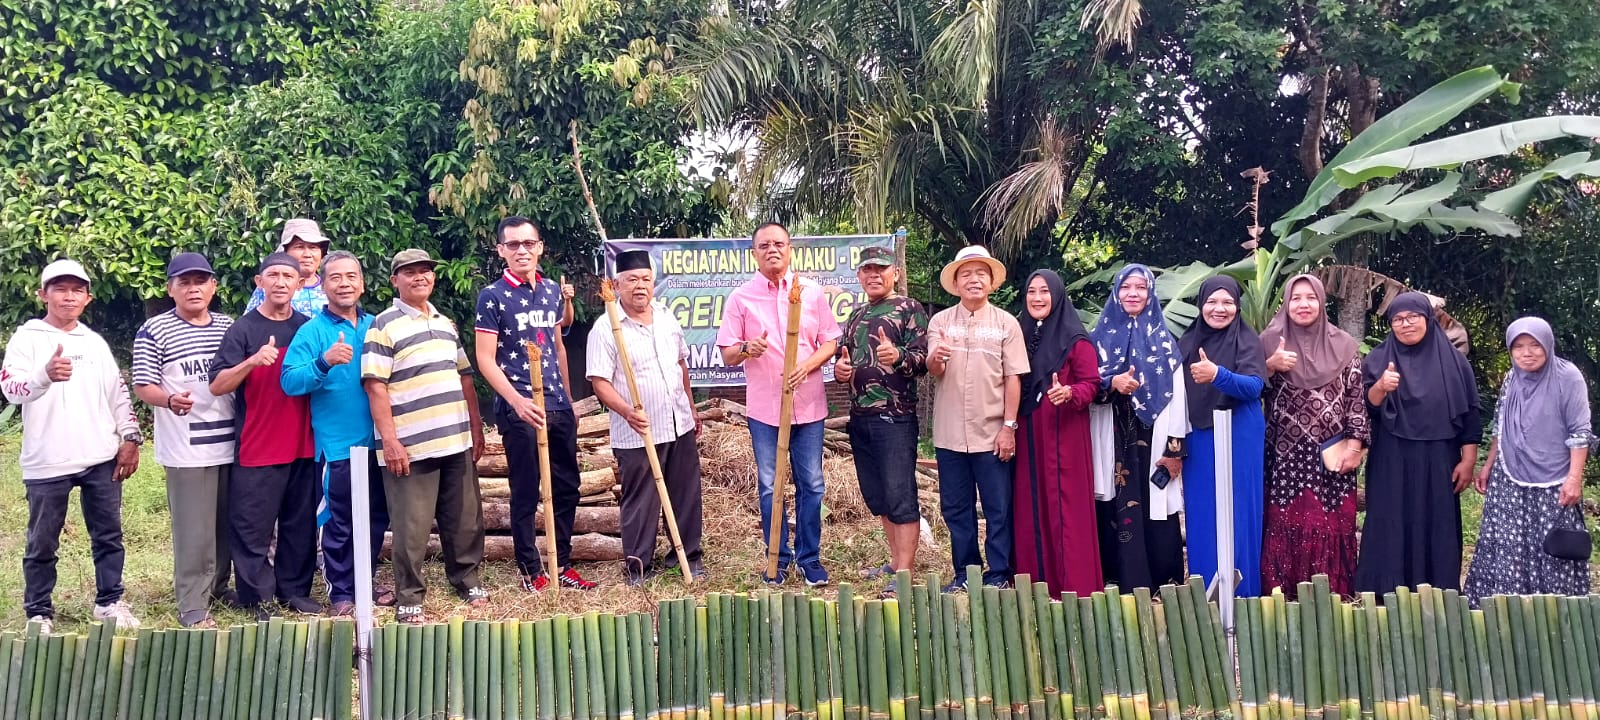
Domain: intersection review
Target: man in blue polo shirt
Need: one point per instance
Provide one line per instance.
(324, 362)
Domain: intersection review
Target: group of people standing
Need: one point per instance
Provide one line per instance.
(1094, 451)
(256, 417)
(1091, 452)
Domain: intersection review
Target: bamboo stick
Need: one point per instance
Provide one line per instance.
(1562, 641)
(566, 690)
(1167, 660)
(717, 683)
(791, 347)
(937, 652)
(1477, 673)
(9, 678)
(1245, 640)
(1361, 642)
(546, 494)
(879, 678)
(1129, 620)
(1581, 638)
(1432, 669)
(999, 666)
(73, 648)
(46, 701)
(1175, 619)
(1216, 650)
(639, 639)
(909, 619)
(1456, 625)
(1112, 682)
(1013, 649)
(1353, 702)
(296, 659)
(625, 651)
(1043, 632)
(961, 619)
(1033, 663)
(485, 672)
(702, 697)
(1298, 676)
(744, 699)
(822, 671)
(1527, 658)
(513, 684)
(893, 657)
(601, 693)
(1488, 625)
(765, 666)
(578, 644)
(979, 626)
(1275, 651)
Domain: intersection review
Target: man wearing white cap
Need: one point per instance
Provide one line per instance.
(78, 430)
(976, 355)
(303, 240)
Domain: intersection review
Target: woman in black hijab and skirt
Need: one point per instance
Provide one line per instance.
(1425, 431)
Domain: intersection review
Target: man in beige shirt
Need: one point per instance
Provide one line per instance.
(976, 356)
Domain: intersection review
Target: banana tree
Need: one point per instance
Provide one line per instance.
(1385, 150)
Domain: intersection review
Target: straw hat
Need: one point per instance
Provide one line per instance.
(971, 253)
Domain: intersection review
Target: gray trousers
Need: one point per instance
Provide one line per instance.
(641, 504)
(197, 499)
(442, 490)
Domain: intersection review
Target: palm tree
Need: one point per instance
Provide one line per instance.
(879, 108)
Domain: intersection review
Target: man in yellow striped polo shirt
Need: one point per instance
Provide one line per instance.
(419, 384)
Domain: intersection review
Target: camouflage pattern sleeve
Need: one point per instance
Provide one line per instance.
(914, 340)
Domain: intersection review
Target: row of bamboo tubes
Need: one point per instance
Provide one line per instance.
(266, 671)
(990, 654)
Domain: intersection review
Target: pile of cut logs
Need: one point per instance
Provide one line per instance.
(597, 528)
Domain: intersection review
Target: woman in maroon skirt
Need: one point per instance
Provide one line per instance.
(1313, 402)
(1052, 506)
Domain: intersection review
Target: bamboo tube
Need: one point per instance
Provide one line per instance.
(1174, 619)
(85, 672)
(240, 662)
(601, 692)
(512, 683)
(962, 703)
(484, 690)
(876, 663)
(161, 686)
(456, 672)
(1569, 661)
(911, 680)
(566, 691)
(1526, 658)
(344, 644)
(1554, 680)
(937, 652)
(9, 680)
(1411, 653)
(578, 644)
(1215, 649)
(804, 700)
(1245, 639)
(999, 666)
(743, 684)
(1039, 626)
(723, 641)
(978, 625)
(1100, 704)
(295, 657)
(785, 648)
(765, 666)
(614, 312)
(1295, 670)
(830, 619)
(1580, 637)
(1099, 626)
(1431, 668)
(1360, 641)
(683, 642)
(717, 675)
(965, 647)
(702, 700)
(544, 669)
(1167, 661)
(1262, 650)
(321, 665)
(1275, 651)
(388, 671)
(1382, 699)
(1456, 625)
(1126, 615)
(624, 650)
(1032, 663)
(1310, 622)
(1353, 701)
(1477, 675)
(160, 665)
(1194, 632)
(46, 700)
(29, 672)
(71, 673)
(1488, 625)
(1012, 649)
(791, 347)
(821, 697)
(114, 703)
(639, 641)
(892, 655)
(546, 495)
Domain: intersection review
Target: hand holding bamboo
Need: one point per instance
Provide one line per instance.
(791, 348)
(535, 358)
(609, 296)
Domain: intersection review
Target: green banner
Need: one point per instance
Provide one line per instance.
(695, 276)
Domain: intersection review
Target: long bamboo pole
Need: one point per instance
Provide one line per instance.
(780, 482)
(546, 494)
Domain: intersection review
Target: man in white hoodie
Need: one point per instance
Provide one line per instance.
(78, 430)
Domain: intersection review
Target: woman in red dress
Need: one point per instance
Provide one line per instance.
(1053, 495)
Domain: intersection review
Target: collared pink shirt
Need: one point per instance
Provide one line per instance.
(763, 306)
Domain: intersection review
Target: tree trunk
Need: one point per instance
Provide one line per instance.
(1354, 297)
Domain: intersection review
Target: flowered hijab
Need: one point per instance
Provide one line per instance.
(1141, 342)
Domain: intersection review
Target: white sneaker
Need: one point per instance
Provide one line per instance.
(118, 611)
(45, 624)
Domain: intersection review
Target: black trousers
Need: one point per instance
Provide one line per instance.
(522, 456)
(101, 497)
(260, 498)
(641, 504)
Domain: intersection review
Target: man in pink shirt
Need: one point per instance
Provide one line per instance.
(754, 324)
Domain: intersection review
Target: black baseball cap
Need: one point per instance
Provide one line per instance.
(188, 262)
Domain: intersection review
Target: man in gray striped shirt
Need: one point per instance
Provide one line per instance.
(659, 356)
(194, 432)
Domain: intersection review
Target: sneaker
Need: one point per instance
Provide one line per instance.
(118, 611)
(535, 583)
(343, 608)
(304, 605)
(1001, 584)
(45, 624)
(262, 612)
(571, 579)
(783, 577)
(816, 576)
(958, 585)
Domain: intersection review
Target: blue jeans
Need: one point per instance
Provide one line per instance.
(964, 478)
(805, 458)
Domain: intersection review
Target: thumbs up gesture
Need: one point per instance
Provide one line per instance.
(1203, 370)
(340, 353)
(1125, 383)
(1283, 359)
(843, 368)
(567, 291)
(59, 369)
(268, 354)
(1390, 380)
(757, 347)
(886, 353)
(1058, 393)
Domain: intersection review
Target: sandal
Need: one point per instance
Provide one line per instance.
(383, 596)
(410, 616)
(477, 597)
(884, 570)
(343, 608)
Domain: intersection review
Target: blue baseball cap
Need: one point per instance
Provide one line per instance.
(188, 262)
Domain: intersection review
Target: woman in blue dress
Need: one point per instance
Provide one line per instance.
(1225, 370)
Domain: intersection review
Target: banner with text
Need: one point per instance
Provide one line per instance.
(695, 276)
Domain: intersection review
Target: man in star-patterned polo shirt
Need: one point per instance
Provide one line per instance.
(524, 306)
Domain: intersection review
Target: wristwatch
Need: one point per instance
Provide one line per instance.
(134, 437)
(1010, 424)
(744, 348)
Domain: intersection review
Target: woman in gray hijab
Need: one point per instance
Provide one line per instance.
(1534, 474)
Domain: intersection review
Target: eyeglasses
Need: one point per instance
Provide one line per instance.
(523, 246)
(1406, 319)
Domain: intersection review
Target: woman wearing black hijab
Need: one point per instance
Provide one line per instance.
(1053, 508)
(1225, 369)
(1425, 431)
